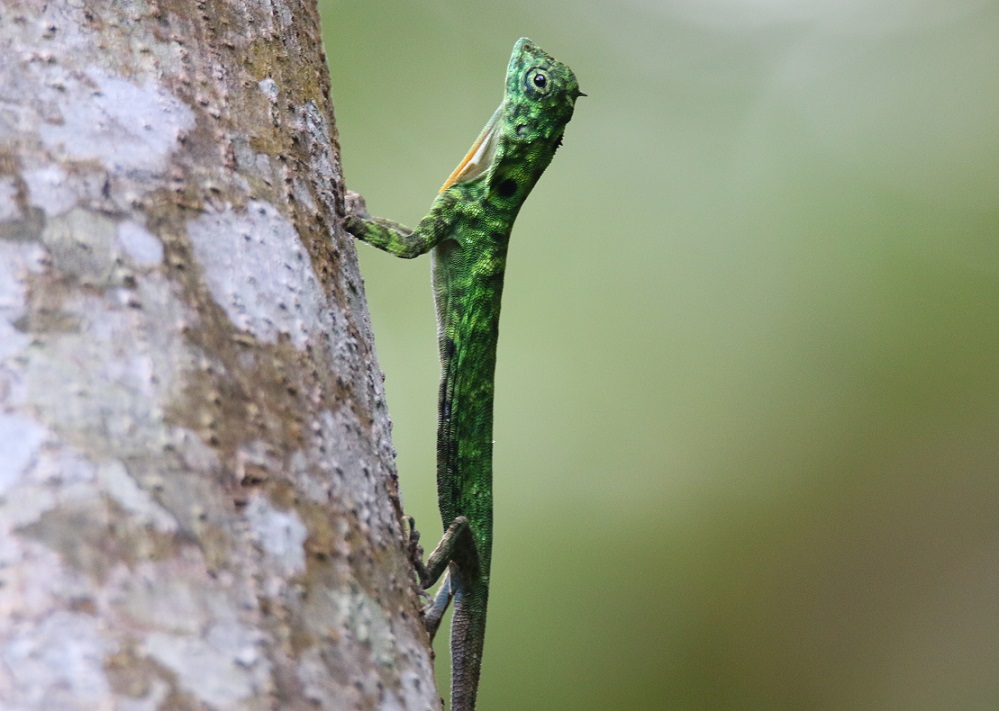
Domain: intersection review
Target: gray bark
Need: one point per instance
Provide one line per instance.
(198, 505)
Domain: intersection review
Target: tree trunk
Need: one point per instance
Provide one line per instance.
(197, 495)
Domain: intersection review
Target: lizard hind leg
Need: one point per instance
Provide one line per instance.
(434, 612)
(457, 546)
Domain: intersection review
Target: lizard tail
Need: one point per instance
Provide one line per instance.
(468, 636)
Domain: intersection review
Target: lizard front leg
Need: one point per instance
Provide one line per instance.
(398, 239)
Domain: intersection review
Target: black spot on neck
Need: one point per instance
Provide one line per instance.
(507, 188)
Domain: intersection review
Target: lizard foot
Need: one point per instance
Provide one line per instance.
(414, 549)
(355, 205)
(415, 553)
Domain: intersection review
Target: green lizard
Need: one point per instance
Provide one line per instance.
(467, 231)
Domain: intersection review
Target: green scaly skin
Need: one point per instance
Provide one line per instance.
(467, 230)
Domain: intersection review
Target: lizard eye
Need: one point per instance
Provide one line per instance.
(536, 81)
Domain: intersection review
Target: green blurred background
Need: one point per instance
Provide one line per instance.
(747, 423)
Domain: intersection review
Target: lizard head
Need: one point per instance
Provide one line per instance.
(540, 95)
(527, 127)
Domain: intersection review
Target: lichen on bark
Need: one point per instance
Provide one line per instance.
(197, 493)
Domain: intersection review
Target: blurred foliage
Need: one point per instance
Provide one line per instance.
(748, 387)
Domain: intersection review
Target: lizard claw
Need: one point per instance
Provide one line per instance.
(426, 600)
(415, 552)
(415, 549)
(355, 205)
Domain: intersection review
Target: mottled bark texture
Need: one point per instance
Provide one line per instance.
(198, 506)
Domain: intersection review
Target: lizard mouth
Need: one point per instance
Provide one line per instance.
(479, 156)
